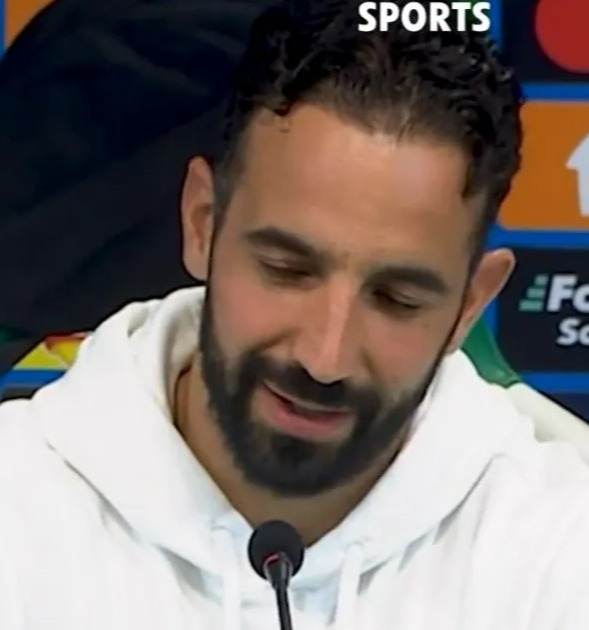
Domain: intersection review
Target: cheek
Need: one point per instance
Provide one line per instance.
(246, 313)
(402, 353)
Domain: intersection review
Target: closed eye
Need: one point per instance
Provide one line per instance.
(285, 272)
(389, 302)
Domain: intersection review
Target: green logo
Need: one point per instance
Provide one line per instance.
(535, 297)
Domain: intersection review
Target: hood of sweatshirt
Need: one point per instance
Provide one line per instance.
(110, 418)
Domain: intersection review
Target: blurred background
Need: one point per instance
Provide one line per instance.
(541, 321)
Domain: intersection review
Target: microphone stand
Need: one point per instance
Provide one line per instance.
(278, 571)
(283, 609)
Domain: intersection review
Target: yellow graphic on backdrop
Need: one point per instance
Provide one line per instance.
(55, 353)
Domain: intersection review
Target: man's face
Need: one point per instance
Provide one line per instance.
(337, 283)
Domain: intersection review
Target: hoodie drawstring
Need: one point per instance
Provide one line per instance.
(231, 587)
(348, 592)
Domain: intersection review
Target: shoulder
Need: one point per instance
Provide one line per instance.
(49, 516)
(22, 448)
(528, 517)
(561, 599)
(533, 489)
(38, 489)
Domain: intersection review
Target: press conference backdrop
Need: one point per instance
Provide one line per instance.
(542, 318)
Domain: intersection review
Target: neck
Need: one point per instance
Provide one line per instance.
(312, 516)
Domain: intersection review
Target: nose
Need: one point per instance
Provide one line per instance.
(324, 344)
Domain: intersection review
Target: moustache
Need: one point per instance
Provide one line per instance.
(295, 381)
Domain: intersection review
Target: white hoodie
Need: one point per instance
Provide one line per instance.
(107, 521)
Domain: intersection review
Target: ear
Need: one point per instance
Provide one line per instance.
(197, 206)
(488, 280)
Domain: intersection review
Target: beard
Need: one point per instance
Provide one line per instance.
(287, 465)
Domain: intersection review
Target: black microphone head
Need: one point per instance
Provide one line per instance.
(274, 537)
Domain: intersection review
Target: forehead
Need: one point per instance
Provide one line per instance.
(363, 194)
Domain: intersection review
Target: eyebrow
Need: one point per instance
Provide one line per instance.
(279, 239)
(420, 277)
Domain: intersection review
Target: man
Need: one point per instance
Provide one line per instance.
(317, 380)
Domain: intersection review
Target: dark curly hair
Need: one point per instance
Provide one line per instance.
(449, 85)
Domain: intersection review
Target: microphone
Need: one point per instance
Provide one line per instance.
(276, 551)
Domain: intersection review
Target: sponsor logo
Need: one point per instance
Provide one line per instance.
(420, 16)
(551, 192)
(547, 39)
(543, 313)
(559, 293)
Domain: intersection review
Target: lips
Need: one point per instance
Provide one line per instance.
(303, 420)
(305, 408)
